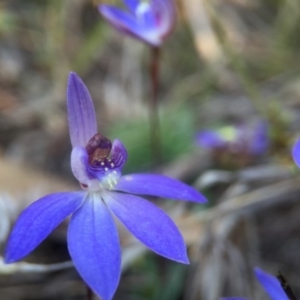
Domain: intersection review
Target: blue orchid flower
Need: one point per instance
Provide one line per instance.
(270, 284)
(252, 140)
(150, 21)
(93, 241)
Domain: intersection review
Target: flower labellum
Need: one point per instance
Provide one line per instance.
(93, 241)
(150, 21)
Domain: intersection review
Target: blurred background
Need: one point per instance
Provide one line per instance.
(227, 62)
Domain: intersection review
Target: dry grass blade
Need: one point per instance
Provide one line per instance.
(24, 267)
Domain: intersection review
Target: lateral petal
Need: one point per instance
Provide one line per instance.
(149, 224)
(37, 221)
(158, 185)
(94, 246)
(81, 112)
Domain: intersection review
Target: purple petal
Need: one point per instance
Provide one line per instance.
(81, 112)
(80, 168)
(37, 221)
(271, 285)
(233, 298)
(210, 139)
(94, 246)
(296, 153)
(165, 13)
(132, 4)
(145, 16)
(119, 19)
(149, 224)
(128, 24)
(79, 162)
(260, 141)
(158, 185)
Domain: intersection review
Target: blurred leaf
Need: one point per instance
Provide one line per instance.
(90, 47)
(177, 138)
(174, 283)
(7, 21)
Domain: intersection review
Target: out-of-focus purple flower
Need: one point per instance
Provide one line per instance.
(270, 284)
(92, 235)
(150, 21)
(296, 153)
(251, 140)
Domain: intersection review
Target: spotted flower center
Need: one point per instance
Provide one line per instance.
(105, 162)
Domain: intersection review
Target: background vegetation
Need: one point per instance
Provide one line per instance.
(227, 61)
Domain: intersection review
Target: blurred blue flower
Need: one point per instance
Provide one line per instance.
(296, 153)
(270, 284)
(252, 140)
(92, 235)
(150, 21)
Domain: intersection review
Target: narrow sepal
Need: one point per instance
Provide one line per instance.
(37, 221)
(158, 185)
(81, 112)
(271, 285)
(149, 224)
(94, 246)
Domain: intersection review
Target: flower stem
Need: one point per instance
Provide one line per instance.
(155, 134)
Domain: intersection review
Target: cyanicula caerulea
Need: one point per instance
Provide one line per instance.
(150, 21)
(93, 241)
(236, 139)
(270, 284)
